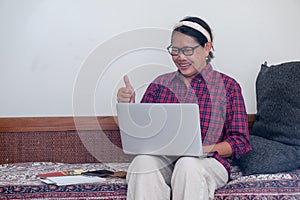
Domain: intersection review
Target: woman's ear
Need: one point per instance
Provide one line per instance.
(208, 46)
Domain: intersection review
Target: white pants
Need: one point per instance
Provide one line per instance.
(157, 178)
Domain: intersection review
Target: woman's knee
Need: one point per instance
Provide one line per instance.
(188, 164)
(146, 164)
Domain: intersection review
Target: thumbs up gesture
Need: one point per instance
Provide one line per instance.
(126, 94)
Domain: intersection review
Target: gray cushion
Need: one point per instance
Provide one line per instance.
(268, 156)
(278, 103)
(275, 135)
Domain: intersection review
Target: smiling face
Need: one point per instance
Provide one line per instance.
(189, 66)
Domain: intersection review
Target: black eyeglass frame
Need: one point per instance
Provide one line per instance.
(183, 50)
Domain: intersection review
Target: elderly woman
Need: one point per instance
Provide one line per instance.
(223, 120)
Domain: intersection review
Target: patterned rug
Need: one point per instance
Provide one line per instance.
(280, 186)
(20, 181)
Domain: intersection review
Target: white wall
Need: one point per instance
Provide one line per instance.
(65, 57)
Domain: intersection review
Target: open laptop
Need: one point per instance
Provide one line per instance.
(160, 129)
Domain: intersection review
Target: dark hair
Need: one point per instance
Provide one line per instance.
(199, 37)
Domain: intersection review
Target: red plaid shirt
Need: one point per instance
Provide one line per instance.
(222, 110)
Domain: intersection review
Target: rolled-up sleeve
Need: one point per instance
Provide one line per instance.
(236, 125)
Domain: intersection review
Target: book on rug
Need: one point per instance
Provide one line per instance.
(71, 180)
(62, 173)
(99, 173)
(68, 177)
(79, 176)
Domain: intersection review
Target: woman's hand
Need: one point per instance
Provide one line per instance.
(126, 94)
(223, 148)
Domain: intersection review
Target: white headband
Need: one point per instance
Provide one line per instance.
(195, 26)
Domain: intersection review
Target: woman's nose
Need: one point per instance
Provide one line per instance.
(181, 55)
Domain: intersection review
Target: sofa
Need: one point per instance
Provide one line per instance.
(271, 171)
(31, 146)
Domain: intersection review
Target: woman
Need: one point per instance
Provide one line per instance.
(223, 121)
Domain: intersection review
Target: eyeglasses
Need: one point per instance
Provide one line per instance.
(187, 51)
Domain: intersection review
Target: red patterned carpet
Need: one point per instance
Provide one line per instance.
(20, 181)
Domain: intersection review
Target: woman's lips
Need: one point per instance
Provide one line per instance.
(184, 66)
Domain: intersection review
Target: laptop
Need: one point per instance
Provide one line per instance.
(168, 129)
